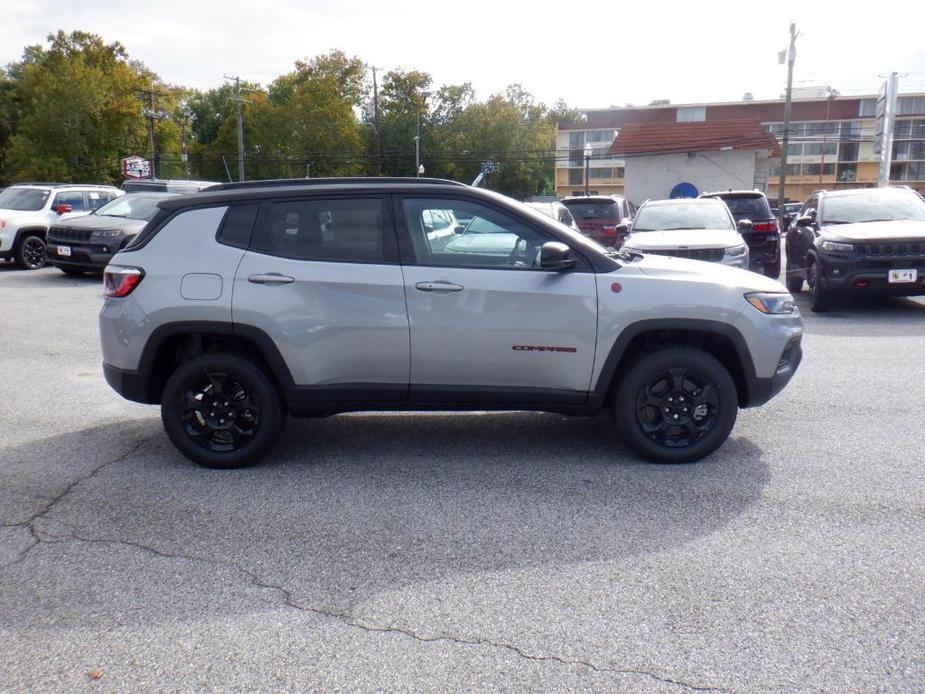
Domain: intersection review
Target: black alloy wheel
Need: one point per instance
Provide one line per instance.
(821, 300)
(222, 410)
(31, 253)
(676, 404)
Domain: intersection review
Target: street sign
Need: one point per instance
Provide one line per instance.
(136, 167)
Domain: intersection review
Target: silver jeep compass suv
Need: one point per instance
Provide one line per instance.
(240, 304)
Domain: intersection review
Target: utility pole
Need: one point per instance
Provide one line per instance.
(184, 121)
(149, 111)
(886, 118)
(238, 101)
(782, 181)
(417, 146)
(376, 124)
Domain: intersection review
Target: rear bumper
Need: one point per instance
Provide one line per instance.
(131, 385)
(760, 390)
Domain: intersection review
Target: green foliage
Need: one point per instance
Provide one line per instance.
(319, 115)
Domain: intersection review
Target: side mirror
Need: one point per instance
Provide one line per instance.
(745, 225)
(556, 256)
(460, 228)
(623, 227)
(807, 220)
(63, 208)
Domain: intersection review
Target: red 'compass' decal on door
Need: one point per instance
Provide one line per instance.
(543, 348)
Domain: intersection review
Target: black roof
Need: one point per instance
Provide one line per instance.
(259, 190)
(366, 180)
(733, 194)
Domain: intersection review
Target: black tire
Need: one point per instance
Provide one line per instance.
(821, 300)
(30, 252)
(652, 385)
(248, 411)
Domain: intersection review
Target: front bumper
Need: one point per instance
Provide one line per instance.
(760, 390)
(82, 256)
(852, 275)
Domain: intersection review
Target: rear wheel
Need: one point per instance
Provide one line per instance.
(222, 410)
(30, 253)
(772, 270)
(821, 299)
(676, 405)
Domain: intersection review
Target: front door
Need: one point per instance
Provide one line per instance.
(485, 319)
(321, 278)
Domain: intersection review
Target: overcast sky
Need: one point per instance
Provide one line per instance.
(591, 53)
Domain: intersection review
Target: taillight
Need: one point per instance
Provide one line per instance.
(121, 281)
(609, 231)
(765, 226)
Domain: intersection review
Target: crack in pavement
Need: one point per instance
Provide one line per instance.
(52, 501)
(289, 600)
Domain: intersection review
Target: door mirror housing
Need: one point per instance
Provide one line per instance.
(807, 220)
(556, 256)
(623, 227)
(745, 225)
(63, 208)
(460, 228)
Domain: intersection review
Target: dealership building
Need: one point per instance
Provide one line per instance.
(831, 143)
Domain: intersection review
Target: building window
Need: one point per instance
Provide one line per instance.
(868, 108)
(601, 136)
(847, 173)
(910, 105)
(848, 151)
(620, 172)
(600, 173)
(813, 169)
(576, 177)
(691, 114)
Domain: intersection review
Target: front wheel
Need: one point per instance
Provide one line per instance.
(676, 405)
(30, 254)
(222, 410)
(821, 300)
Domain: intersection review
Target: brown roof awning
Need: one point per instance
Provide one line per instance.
(638, 139)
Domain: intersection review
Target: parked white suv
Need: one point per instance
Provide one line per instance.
(686, 228)
(28, 209)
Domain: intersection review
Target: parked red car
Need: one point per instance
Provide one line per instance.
(598, 216)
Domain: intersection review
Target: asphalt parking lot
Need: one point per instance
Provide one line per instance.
(462, 552)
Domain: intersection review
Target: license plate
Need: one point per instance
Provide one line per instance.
(64, 250)
(903, 276)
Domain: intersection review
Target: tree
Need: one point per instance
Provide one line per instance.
(79, 110)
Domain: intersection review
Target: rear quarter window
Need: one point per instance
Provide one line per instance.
(749, 208)
(238, 225)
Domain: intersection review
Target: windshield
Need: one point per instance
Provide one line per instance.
(24, 199)
(607, 211)
(142, 207)
(681, 216)
(875, 206)
(752, 207)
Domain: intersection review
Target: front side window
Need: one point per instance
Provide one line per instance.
(343, 230)
(75, 200)
(488, 239)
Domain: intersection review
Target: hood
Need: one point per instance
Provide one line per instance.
(684, 238)
(12, 215)
(875, 231)
(94, 221)
(682, 268)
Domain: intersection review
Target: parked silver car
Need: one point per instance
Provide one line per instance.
(238, 305)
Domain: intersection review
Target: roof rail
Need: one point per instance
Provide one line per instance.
(61, 185)
(368, 180)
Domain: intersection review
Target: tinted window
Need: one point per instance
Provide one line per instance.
(75, 200)
(490, 239)
(96, 199)
(347, 230)
(748, 207)
(874, 206)
(24, 199)
(238, 224)
(682, 215)
(582, 211)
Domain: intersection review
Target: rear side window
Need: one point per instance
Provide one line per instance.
(343, 230)
(749, 208)
(74, 199)
(237, 227)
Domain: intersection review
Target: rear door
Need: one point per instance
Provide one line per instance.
(321, 278)
(486, 321)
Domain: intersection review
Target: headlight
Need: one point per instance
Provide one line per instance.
(835, 247)
(771, 303)
(736, 251)
(106, 234)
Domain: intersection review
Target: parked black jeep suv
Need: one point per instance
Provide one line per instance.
(857, 242)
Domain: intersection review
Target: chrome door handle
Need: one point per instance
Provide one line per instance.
(270, 278)
(438, 286)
